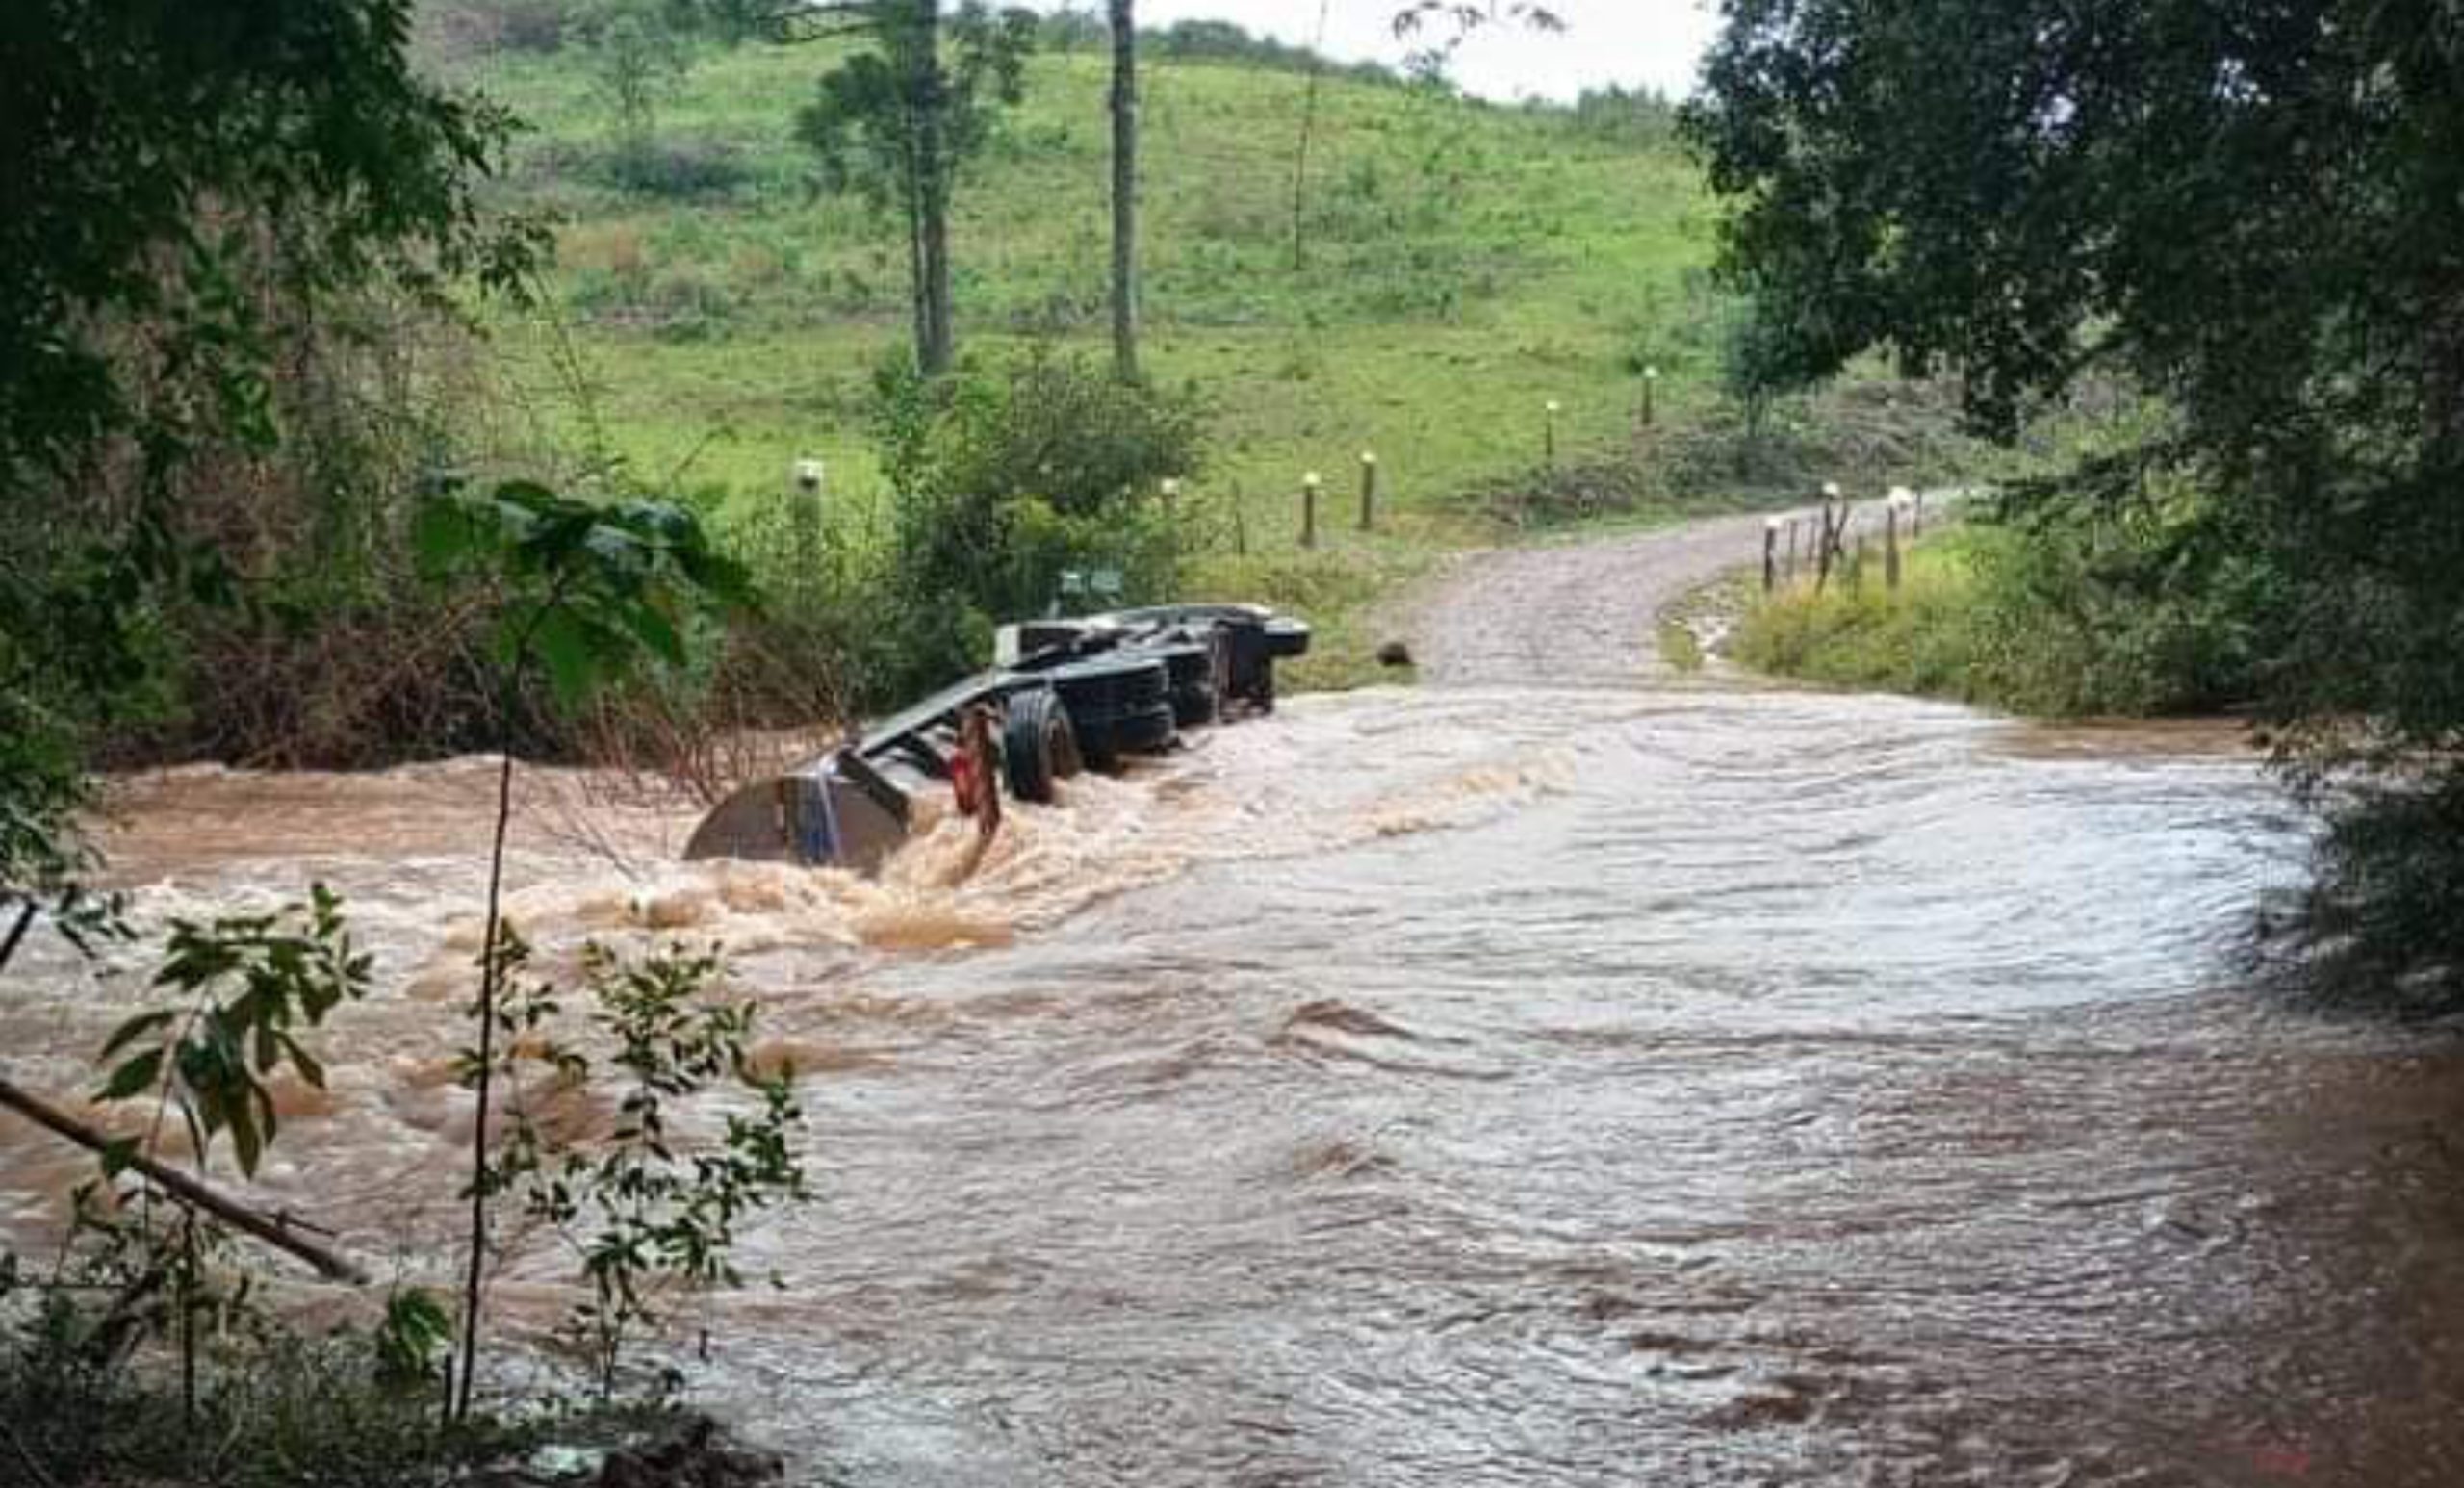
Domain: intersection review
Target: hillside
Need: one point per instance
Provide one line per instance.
(1468, 263)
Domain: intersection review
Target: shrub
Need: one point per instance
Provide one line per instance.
(1920, 638)
(672, 171)
(1562, 496)
(2376, 926)
(1006, 480)
(2051, 620)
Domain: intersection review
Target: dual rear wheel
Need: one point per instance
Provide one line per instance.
(1038, 745)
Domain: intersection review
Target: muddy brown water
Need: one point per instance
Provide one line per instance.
(1560, 1073)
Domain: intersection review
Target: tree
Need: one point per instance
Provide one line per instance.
(164, 163)
(1124, 109)
(2254, 211)
(636, 60)
(896, 123)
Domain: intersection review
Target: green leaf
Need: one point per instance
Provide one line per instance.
(136, 1028)
(445, 534)
(563, 646)
(138, 1074)
(657, 634)
(307, 1064)
(245, 1143)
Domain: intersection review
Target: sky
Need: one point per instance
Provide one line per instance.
(1624, 41)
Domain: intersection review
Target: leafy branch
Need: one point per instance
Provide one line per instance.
(590, 592)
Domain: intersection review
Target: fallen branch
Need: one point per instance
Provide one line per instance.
(271, 1229)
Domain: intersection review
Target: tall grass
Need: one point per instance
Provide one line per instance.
(2041, 623)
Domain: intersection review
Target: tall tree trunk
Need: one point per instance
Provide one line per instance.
(918, 297)
(1124, 23)
(938, 350)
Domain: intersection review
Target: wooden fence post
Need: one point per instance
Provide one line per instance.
(1831, 531)
(1368, 490)
(1770, 555)
(1890, 546)
(809, 478)
(1549, 435)
(1309, 484)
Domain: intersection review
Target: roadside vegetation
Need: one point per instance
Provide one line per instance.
(2271, 516)
(2009, 619)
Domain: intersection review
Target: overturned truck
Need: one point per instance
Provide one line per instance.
(1062, 695)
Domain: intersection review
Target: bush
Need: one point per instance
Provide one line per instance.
(1642, 117)
(2050, 620)
(1920, 638)
(2377, 925)
(670, 171)
(1006, 480)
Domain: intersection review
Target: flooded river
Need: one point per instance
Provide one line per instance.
(1557, 1074)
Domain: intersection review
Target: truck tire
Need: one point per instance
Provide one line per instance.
(1038, 745)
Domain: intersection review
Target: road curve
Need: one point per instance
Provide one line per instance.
(1570, 614)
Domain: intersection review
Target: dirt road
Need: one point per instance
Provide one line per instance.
(1571, 614)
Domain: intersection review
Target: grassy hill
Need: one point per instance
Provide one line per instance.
(1467, 265)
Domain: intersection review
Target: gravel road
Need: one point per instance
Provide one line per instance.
(1573, 614)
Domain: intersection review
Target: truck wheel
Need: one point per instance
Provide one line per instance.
(1038, 746)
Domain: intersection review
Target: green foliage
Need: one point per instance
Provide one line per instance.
(2048, 622)
(2038, 217)
(246, 988)
(413, 1339)
(1924, 638)
(183, 183)
(1679, 647)
(646, 1211)
(2379, 924)
(591, 591)
(1468, 260)
(897, 121)
(465, 28)
(142, 139)
(1006, 480)
(868, 122)
(587, 593)
(247, 985)
(637, 60)
(282, 1409)
(1640, 116)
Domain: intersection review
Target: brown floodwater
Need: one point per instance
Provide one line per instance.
(1637, 1081)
